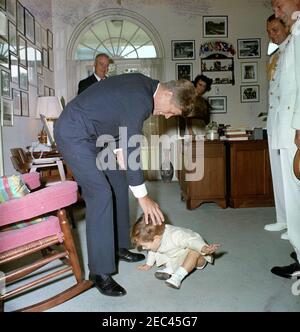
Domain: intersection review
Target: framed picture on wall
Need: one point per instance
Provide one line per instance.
(17, 102)
(24, 103)
(14, 68)
(4, 53)
(249, 72)
(183, 49)
(38, 35)
(12, 38)
(40, 86)
(50, 38)
(218, 104)
(29, 26)
(249, 93)
(46, 91)
(3, 4)
(39, 62)
(20, 18)
(44, 38)
(50, 59)
(5, 84)
(22, 47)
(215, 26)
(3, 25)
(11, 9)
(31, 59)
(248, 48)
(23, 78)
(184, 71)
(7, 118)
(45, 57)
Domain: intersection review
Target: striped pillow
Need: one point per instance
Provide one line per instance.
(12, 187)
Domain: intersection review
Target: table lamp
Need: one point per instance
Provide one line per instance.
(48, 109)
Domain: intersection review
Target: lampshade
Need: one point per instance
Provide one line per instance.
(48, 106)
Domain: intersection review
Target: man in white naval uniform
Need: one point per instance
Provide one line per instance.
(279, 35)
(286, 131)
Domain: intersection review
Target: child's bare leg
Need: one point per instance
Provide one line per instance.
(192, 260)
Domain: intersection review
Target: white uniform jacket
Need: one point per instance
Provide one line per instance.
(285, 99)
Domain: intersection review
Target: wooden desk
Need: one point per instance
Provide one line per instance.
(249, 179)
(236, 174)
(212, 187)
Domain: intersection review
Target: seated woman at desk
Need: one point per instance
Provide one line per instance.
(195, 124)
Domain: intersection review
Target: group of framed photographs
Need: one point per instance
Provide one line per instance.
(183, 50)
(248, 49)
(26, 48)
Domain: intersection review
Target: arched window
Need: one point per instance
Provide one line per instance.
(134, 45)
(119, 38)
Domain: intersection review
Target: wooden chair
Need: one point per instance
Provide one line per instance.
(31, 237)
(51, 169)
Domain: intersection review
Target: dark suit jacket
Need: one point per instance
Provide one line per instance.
(84, 84)
(119, 101)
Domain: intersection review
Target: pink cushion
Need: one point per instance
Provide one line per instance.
(38, 203)
(16, 238)
(32, 180)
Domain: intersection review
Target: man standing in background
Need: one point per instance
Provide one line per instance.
(279, 35)
(286, 132)
(101, 65)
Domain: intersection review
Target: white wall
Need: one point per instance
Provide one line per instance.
(179, 20)
(25, 130)
(174, 20)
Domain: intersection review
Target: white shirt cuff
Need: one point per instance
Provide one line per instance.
(139, 191)
(117, 150)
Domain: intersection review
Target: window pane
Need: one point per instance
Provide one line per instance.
(117, 38)
(147, 52)
(100, 30)
(84, 53)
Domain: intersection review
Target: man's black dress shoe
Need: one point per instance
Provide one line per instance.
(107, 285)
(294, 256)
(128, 256)
(286, 271)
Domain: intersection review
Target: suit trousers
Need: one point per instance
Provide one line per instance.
(291, 186)
(277, 180)
(107, 208)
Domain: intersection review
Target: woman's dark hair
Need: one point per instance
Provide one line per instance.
(205, 79)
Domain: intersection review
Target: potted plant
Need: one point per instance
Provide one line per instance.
(212, 130)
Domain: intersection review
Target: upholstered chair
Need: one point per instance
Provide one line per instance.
(34, 223)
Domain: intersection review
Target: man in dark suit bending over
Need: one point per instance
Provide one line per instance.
(101, 65)
(88, 126)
